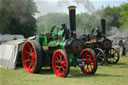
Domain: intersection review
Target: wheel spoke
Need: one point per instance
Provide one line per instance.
(60, 57)
(27, 52)
(28, 60)
(29, 47)
(63, 68)
(64, 63)
(90, 57)
(57, 59)
(33, 64)
(84, 56)
(29, 67)
(33, 55)
(59, 70)
(98, 54)
(87, 61)
(57, 66)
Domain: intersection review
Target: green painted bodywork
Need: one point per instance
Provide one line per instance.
(59, 44)
(42, 39)
(55, 42)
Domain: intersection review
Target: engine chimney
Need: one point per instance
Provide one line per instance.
(72, 18)
(103, 26)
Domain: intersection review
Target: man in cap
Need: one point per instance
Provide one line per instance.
(122, 46)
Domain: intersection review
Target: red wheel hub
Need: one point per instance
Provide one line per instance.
(28, 57)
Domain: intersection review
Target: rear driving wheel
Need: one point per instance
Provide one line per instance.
(32, 56)
(60, 63)
(90, 61)
(112, 56)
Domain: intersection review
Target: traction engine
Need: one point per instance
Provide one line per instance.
(59, 49)
(103, 47)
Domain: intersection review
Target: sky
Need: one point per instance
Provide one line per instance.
(48, 6)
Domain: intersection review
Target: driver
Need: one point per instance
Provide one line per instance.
(66, 31)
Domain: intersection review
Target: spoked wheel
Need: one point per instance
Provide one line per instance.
(60, 63)
(32, 56)
(101, 57)
(112, 56)
(89, 58)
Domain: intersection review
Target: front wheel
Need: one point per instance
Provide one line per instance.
(90, 61)
(60, 63)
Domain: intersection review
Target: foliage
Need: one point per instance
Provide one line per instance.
(124, 16)
(112, 16)
(46, 22)
(84, 21)
(16, 17)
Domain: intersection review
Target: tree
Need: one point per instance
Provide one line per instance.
(124, 16)
(112, 16)
(46, 22)
(17, 17)
(86, 22)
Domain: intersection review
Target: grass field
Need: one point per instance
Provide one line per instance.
(106, 75)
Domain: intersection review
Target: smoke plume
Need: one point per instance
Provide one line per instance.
(59, 6)
(87, 5)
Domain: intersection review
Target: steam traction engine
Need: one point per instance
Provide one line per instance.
(102, 46)
(60, 49)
